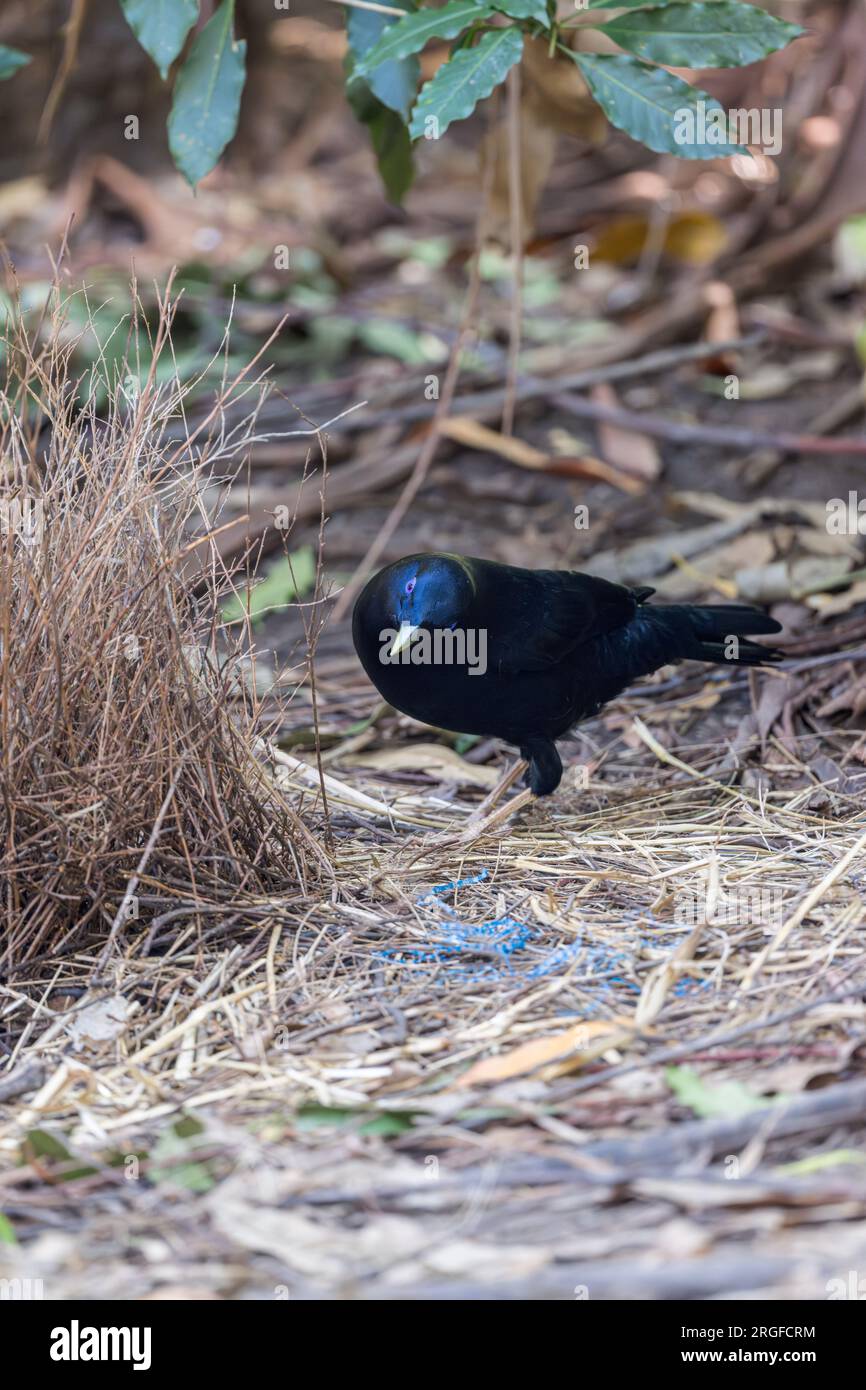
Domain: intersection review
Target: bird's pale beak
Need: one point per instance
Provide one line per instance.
(403, 638)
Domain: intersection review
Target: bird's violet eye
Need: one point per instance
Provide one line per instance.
(410, 586)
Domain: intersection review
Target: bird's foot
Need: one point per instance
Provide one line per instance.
(545, 765)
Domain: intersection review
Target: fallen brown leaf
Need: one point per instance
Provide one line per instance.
(464, 430)
(559, 1050)
(626, 449)
(427, 757)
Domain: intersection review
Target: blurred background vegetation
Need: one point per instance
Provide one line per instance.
(622, 252)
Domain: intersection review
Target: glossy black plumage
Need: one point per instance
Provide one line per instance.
(558, 646)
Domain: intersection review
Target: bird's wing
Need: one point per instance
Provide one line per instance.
(558, 612)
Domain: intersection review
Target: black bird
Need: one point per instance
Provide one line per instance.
(524, 655)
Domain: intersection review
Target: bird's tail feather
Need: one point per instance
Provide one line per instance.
(717, 632)
(662, 633)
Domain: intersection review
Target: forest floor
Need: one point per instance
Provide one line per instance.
(610, 1046)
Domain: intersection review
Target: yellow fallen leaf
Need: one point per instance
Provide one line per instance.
(467, 431)
(695, 238)
(464, 430)
(691, 238)
(559, 1050)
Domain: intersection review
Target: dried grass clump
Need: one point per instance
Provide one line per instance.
(129, 771)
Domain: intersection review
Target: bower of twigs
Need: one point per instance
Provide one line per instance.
(131, 777)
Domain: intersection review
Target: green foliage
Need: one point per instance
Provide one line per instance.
(382, 102)
(41, 1145)
(207, 97)
(720, 34)
(173, 1161)
(382, 68)
(393, 81)
(161, 27)
(819, 1163)
(468, 77)
(392, 145)
(623, 4)
(11, 59)
(727, 1100)
(409, 35)
(645, 102)
(523, 9)
(386, 1124)
(634, 89)
(286, 581)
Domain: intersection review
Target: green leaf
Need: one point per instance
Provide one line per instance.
(389, 137)
(818, 1163)
(720, 34)
(11, 59)
(382, 102)
(409, 35)
(41, 1143)
(849, 249)
(188, 1127)
(7, 1231)
(190, 1174)
(313, 1116)
(281, 586)
(463, 742)
(524, 9)
(393, 148)
(467, 78)
(161, 27)
(362, 724)
(387, 1123)
(207, 97)
(409, 345)
(623, 4)
(395, 82)
(661, 111)
(727, 1100)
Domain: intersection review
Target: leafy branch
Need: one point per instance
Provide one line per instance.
(634, 88)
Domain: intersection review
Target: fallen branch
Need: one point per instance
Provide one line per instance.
(726, 437)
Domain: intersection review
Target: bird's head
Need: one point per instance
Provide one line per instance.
(422, 591)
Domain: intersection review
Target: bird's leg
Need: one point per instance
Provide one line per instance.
(545, 765)
(508, 778)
